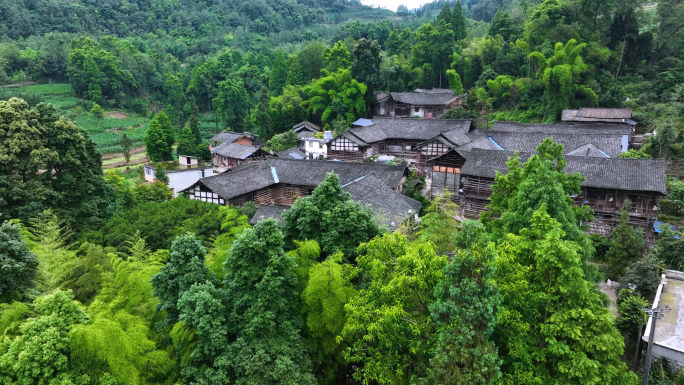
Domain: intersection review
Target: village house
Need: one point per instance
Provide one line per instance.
(609, 183)
(426, 104)
(317, 148)
(182, 174)
(391, 137)
(599, 115)
(279, 182)
(304, 130)
(233, 149)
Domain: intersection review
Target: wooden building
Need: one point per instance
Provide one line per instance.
(609, 183)
(426, 104)
(280, 182)
(393, 137)
(229, 155)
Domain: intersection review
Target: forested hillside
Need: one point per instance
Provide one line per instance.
(106, 279)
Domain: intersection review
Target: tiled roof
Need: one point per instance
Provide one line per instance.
(268, 212)
(435, 91)
(305, 126)
(234, 150)
(416, 129)
(257, 175)
(577, 129)
(606, 173)
(423, 98)
(227, 136)
(391, 207)
(288, 154)
(606, 115)
(612, 145)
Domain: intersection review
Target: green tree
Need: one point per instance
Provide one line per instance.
(47, 161)
(626, 245)
(283, 141)
(560, 75)
(311, 59)
(184, 269)
(445, 15)
(97, 112)
(458, 23)
(160, 175)
(277, 78)
(337, 58)
(295, 77)
(455, 82)
(203, 152)
(438, 224)
(389, 325)
(262, 307)
(541, 181)
(553, 326)
(286, 110)
(465, 311)
(159, 138)
(193, 121)
(434, 46)
(331, 218)
(501, 25)
(18, 263)
(337, 94)
(366, 67)
(126, 144)
(635, 154)
(232, 102)
(645, 274)
(630, 315)
(41, 354)
(186, 143)
(259, 121)
(156, 191)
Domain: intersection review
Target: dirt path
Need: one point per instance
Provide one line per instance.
(116, 115)
(135, 150)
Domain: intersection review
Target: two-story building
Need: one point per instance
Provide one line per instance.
(421, 103)
(232, 149)
(317, 148)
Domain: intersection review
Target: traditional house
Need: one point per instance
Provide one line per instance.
(420, 103)
(181, 175)
(443, 157)
(291, 153)
(609, 183)
(244, 138)
(317, 148)
(599, 115)
(228, 155)
(279, 182)
(393, 137)
(304, 130)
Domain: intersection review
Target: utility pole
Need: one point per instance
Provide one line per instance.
(637, 348)
(655, 314)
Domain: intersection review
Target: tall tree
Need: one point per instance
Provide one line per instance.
(186, 143)
(156, 144)
(553, 327)
(262, 302)
(295, 77)
(331, 218)
(193, 120)
(626, 246)
(434, 46)
(184, 269)
(18, 263)
(465, 311)
(48, 161)
(232, 102)
(560, 75)
(277, 78)
(366, 67)
(286, 110)
(337, 94)
(337, 57)
(501, 25)
(458, 23)
(445, 15)
(126, 144)
(389, 325)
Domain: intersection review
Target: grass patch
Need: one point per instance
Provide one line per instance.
(47, 89)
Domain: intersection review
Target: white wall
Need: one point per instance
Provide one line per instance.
(180, 180)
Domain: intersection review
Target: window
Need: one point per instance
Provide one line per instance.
(290, 192)
(148, 171)
(320, 145)
(416, 109)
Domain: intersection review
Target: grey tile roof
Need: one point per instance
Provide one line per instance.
(288, 153)
(234, 150)
(353, 138)
(611, 144)
(227, 136)
(267, 212)
(423, 98)
(577, 129)
(387, 204)
(415, 129)
(605, 173)
(305, 126)
(257, 175)
(588, 150)
(435, 91)
(609, 115)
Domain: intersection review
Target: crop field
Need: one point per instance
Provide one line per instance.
(106, 132)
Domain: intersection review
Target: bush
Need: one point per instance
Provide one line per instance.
(139, 106)
(645, 274)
